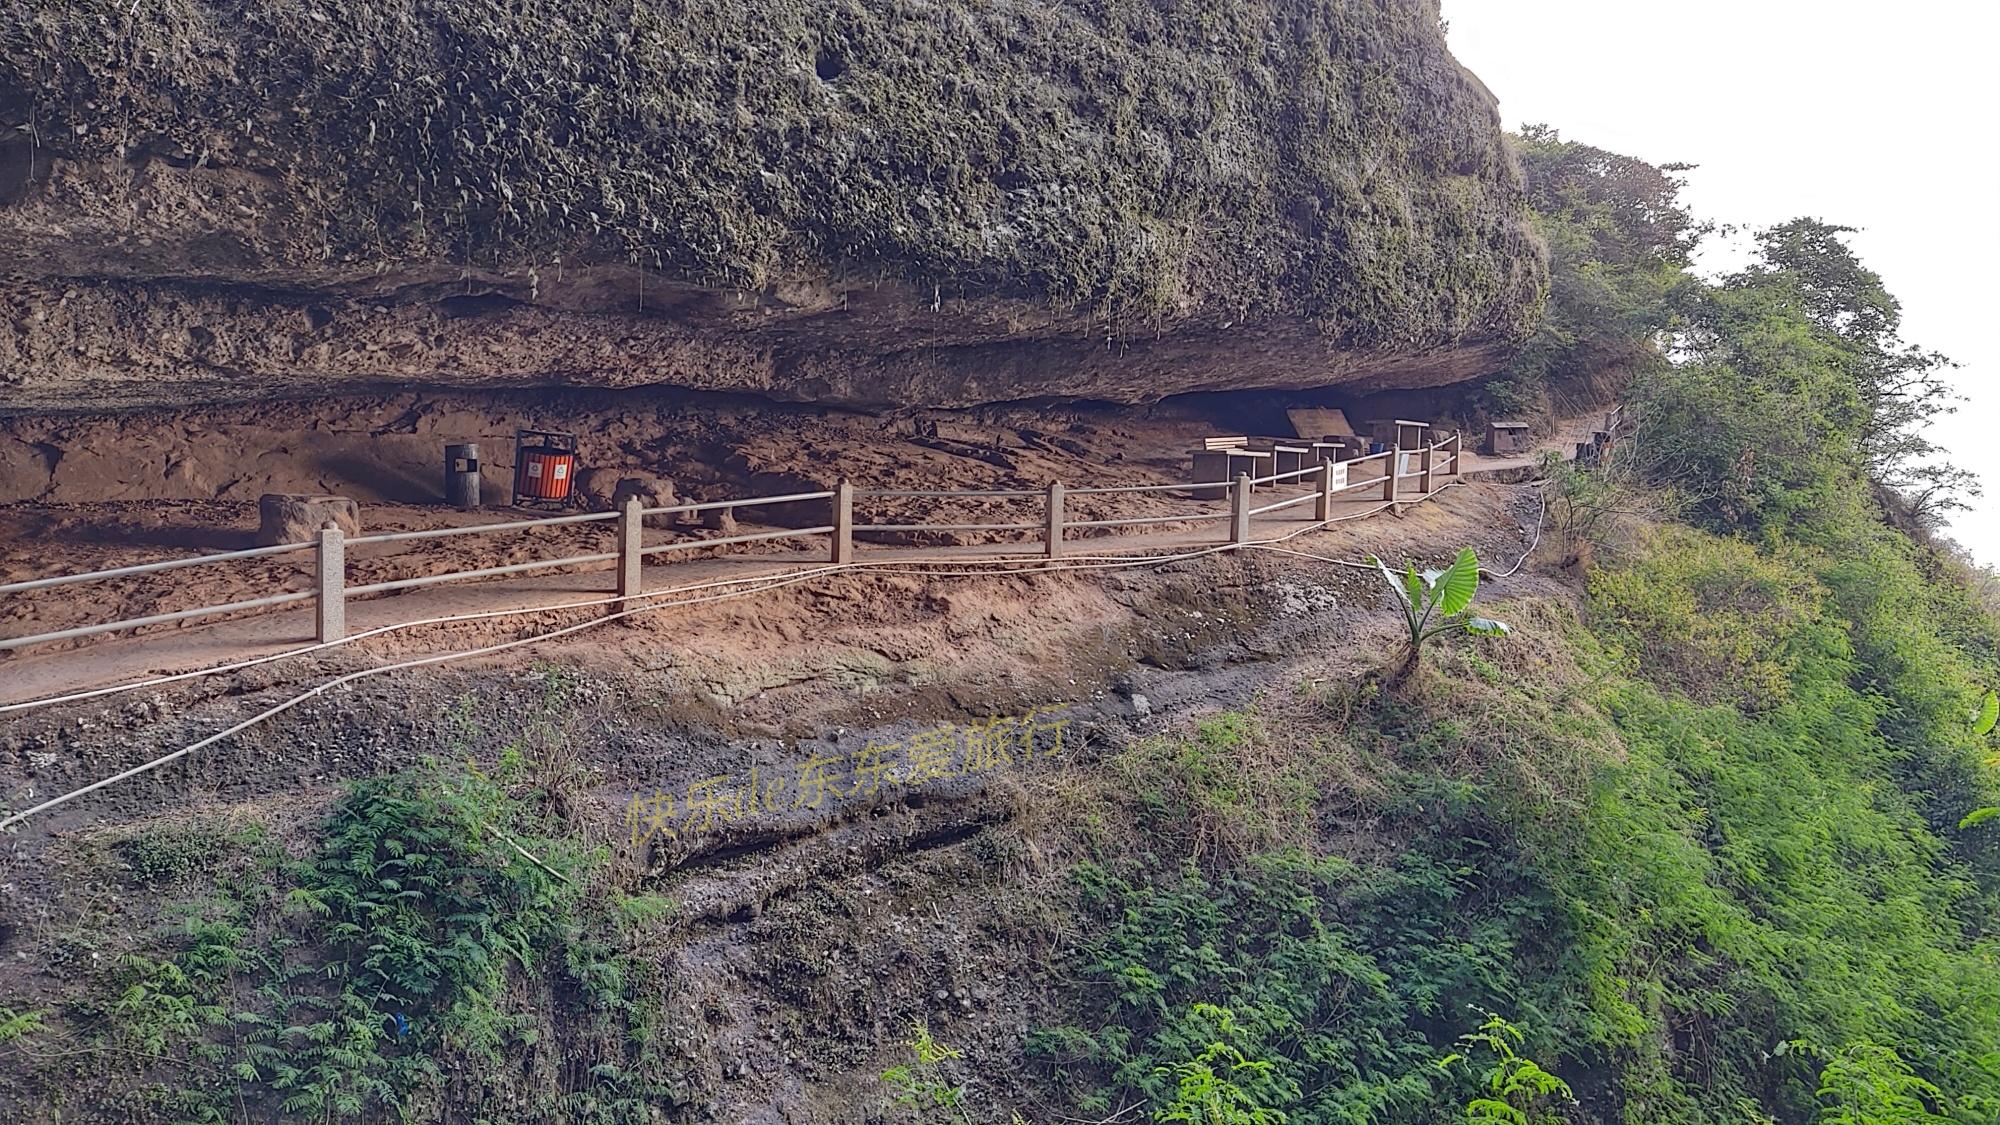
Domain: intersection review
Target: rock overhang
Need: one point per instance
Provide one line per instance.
(867, 206)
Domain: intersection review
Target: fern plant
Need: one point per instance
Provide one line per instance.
(1982, 726)
(1869, 1084)
(1208, 1088)
(1514, 1088)
(15, 1025)
(422, 916)
(922, 1084)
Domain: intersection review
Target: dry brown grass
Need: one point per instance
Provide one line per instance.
(1302, 768)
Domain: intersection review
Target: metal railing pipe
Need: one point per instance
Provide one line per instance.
(155, 619)
(1292, 474)
(759, 537)
(947, 527)
(1140, 521)
(1371, 482)
(480, 528)
(1296, 500)
(483, 572)
(752, 502)
(153, 568)
(1011, 492)
(1109, 489)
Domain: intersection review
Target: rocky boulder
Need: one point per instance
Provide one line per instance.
(289, 517)
(607, 489)
(24, 471)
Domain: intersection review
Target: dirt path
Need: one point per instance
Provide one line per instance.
(35, 676)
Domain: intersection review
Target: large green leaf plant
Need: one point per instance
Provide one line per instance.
(1435, 602)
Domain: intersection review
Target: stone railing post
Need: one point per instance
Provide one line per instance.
(331, 557)
(1395, 467)
(1323, 507)
(843, 521)
(631, 545)
(1052, 545)
(1239, 510)
(1429, 455)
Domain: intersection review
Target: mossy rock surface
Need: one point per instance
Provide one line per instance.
(1159, 162)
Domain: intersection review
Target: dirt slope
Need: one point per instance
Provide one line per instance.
(805, 939)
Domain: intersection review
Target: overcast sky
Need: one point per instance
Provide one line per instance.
(1880, 116)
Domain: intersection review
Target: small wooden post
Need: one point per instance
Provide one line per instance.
(843, 522)
(332, 601)
(631, 543)
(1239, 510)
(1389, 478)
(1323, 507)
(1052, 546)
(1429, 454)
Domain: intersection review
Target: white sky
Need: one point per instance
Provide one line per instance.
(1880, 116)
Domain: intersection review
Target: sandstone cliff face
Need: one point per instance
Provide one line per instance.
(871, 203)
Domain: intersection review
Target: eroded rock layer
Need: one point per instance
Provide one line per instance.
(864, 203)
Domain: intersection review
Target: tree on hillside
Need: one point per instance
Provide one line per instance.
(1619, 244)
(1792, 388)
(1901, 385)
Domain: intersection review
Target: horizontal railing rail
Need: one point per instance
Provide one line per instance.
(947, 527)
(1142, 521)
(747, 502)
(1283, 504)
(732, 540)
(152, 568)
(1117, 488)
(1274, 478)
(1015, 493)
(331, 592)
(482, 572)
(478, 529)
(158, 619)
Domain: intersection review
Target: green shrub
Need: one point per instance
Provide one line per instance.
(1716, 811)
(348, 984)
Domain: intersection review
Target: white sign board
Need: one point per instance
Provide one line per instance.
(1339, 475)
